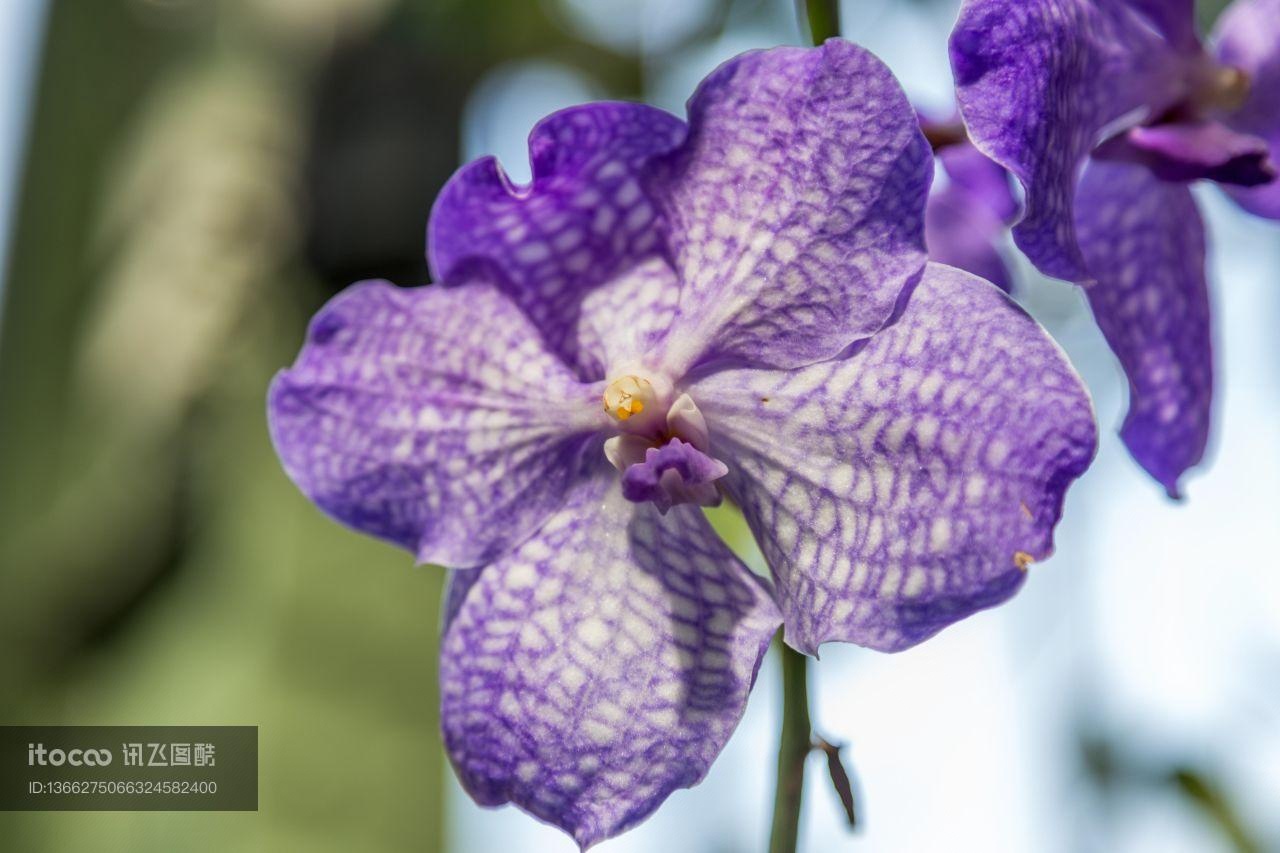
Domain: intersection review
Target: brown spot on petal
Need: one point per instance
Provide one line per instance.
(1026, 510)
(1022, 560)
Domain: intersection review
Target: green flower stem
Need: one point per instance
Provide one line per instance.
(794, 746)
(823, 17)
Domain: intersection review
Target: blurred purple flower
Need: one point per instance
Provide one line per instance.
(968, 214)
(1045, 85)
(740, 306)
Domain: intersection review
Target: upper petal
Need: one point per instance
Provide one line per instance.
(433, 418)
(584, 218)
(794, 209)
(624, 319)
(602, 664)
(1145, 242)
(1248, 37)
(1037, 81)
(900, 489)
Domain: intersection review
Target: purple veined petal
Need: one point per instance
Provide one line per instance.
(582, 220)
(1190, 151)
(432, 417)
(602, 664)
(794, 210)
(625, 318)
(910, 484)
(1145, 242)
(1248, 37)
(1037, 82)
(967, 215)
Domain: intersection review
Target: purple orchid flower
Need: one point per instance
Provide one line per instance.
(1127, 85)
(667, 315)
(970, 211)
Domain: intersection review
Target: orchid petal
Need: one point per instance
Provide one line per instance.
(794, 209)
(622, 320)
(602, 664)
(910, 484)
(584, 219)
(1175, 19)
(433, 418)
(1145, 241)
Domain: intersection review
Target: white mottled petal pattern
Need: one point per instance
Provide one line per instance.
(602, 664)
(794, 210)
(434, 418)
(910, 484)
(1146, 240)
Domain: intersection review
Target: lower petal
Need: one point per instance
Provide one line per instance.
(909, 485)
(1145, 242)
(601, 665)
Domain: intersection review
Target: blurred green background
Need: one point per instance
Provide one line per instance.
(199, 176)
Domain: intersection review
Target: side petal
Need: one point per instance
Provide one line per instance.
(795, 207)
(582, 220)
(432, 418)
(1037, 81)
(909, 485)
(1248, 37)
(602, 664)
(1144, 239)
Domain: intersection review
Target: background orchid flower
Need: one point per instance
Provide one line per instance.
(971, 209)
(1046, 85)
(665, 316)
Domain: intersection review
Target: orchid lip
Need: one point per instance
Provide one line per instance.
(669, 465)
